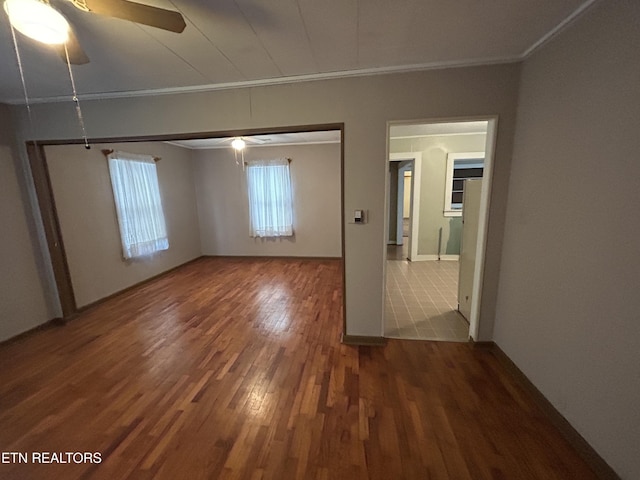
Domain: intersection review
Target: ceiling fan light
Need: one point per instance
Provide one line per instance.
(37, 20)
(238, 144)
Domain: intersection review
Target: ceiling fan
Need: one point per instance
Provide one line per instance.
(39, 20)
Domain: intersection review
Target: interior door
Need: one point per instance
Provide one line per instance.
(468, 244)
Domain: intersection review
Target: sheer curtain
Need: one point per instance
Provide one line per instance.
(270, 204)
(137, 196)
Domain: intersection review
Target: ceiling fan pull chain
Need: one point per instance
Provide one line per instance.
(24, 85)
(24, 90)
(76, 101)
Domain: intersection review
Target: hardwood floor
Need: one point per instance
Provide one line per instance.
(232, 368)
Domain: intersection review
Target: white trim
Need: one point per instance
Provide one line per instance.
(273, 81)
(400, 206)
(448, 181)
(483, 225)
(452, 213)
(400, 203)
(409, 137)
(430, 257)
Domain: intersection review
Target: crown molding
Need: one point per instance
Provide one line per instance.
(321, 76)
(365, 72)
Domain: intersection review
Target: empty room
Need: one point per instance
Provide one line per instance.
(198, 232)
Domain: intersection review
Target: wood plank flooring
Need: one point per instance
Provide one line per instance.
(232, 368)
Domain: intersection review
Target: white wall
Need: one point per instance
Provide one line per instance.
(568, 306)
(393, 202)
(22, 295)
(223, 206)
(364, 105)
(84, 201)
(434, 150)
(406, 201)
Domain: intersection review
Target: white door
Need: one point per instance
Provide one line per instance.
(468, 244)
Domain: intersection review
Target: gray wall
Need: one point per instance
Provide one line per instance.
(23, 302)
(364, 105)
(432, 187)
(86, 210)
(568, 306)
(568, 309)
(223, 206)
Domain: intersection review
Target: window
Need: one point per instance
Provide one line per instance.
(134, 180)
(270, 204)
(460, 167)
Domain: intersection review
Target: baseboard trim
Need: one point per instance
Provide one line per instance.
(600, 467)
(269, 257)
(362, 340)
(126, 289)
(425, 258)
(147, 280)
(54, 322)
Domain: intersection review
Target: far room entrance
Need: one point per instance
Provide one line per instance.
(210, 199)
(438, 181)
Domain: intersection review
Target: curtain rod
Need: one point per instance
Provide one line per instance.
(287, 159)
(106, 152)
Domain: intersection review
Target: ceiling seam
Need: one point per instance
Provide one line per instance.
(258, 38)
(357, 32)
(237, 69)
(172, 51)
(306, 31)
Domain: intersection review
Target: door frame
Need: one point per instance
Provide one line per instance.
(483, 223)
(53, 233)
(36, 155)
(414, 205)
(400, 202)
(483, 226)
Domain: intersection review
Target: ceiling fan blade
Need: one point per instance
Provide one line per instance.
(139, 13)
(76, 53)
(256, 140)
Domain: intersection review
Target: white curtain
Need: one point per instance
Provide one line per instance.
(270, 204)
(137, 196)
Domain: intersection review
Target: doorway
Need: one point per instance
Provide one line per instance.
(73, 299)
(399, 209)
(422, 297)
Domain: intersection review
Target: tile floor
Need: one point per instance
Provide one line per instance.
(421, 300)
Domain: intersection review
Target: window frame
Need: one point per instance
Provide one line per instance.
(141, 247)
(272, 231)
(448, 210)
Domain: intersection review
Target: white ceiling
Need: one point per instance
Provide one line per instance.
(252, 42)
(428, 129)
